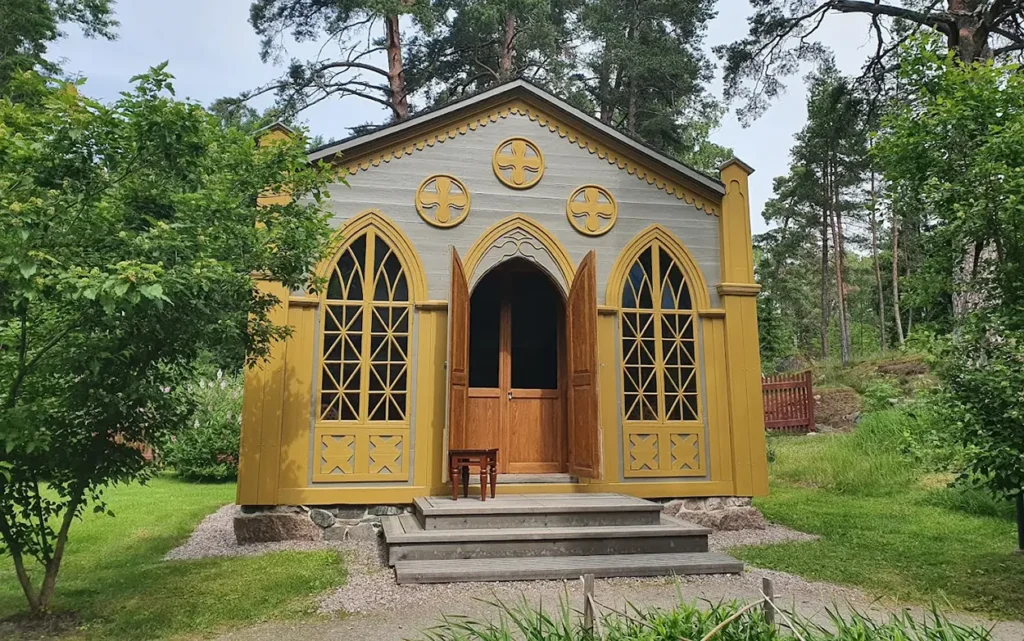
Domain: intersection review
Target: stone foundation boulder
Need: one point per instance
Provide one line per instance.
(729, 519)
(717, 512)
(271, 527)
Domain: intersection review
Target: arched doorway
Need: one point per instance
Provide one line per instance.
(517, 369)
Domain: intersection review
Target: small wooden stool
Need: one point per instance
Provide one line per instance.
(459, 462)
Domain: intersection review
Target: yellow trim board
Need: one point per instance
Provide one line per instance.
(738, 289)
(431, 305)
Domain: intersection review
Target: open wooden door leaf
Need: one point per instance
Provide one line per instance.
(458, 354)
(581, 332)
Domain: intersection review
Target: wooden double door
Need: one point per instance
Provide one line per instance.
(522, 369)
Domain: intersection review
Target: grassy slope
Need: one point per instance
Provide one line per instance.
(889, 533)
(114, 578)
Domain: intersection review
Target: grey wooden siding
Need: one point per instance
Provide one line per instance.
(391, 188)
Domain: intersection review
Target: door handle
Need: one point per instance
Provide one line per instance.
(510, 395)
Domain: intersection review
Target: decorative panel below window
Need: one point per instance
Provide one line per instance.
(360, 455)
(664, 451)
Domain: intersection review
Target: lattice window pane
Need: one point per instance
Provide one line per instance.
(365, 342)
(659, 367)
(675, 291)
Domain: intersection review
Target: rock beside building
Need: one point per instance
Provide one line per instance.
(271, 527)
(720, 513)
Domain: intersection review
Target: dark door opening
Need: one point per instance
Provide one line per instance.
(517, 369)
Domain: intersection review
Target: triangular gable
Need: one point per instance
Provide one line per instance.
(521, 98)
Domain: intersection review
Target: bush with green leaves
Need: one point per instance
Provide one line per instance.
(952, 148)
(983, 371)
(207, 448)
(130, 238)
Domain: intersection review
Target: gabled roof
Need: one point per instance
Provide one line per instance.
(516, 89)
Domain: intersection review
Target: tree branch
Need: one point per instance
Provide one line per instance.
(941, 22)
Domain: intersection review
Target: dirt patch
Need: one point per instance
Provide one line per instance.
(905, 368)
(22, 627)
(836, 408)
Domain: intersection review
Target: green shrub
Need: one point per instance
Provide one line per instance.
(880, 394)
(207, 450)
(692, 621)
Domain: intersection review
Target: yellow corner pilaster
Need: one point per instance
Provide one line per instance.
(738, 292)
(262, 413)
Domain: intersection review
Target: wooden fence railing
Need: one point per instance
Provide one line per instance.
(788, 402)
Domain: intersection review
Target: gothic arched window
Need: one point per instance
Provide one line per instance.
(367, 316)
(659, 341)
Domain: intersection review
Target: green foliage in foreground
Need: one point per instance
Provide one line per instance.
(695, 622)
(887, 527)
(130, 235)
(116, 581)
(953, 149)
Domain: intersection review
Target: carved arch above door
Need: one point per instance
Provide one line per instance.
(519, 237)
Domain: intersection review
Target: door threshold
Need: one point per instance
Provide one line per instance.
(508, 479)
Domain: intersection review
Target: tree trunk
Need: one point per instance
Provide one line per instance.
(631, 113)
(896, 314)
(508, 48)
(604, 89)
(878, 266)
(53, 564)
(824, 284)
(970, 40)
(838, 258)
(396, 72)
(631, 35)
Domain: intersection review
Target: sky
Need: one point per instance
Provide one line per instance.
(213, 52)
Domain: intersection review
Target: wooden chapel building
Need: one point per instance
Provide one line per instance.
(512, 273)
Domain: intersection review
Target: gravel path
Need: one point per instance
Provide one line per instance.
(372, 606)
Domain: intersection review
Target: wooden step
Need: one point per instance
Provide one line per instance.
(408, 541)
(566, 567)
(535, 510)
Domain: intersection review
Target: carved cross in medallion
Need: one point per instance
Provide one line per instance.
(446, 204)
(522, 159)
(588, 206)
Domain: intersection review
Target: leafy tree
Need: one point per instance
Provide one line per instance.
(638, 65)
(27, 27)
(814, 206)
(966, 174)
(833, 147)
(131, 235)
(781, 31)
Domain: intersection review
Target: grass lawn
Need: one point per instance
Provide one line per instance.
(901, 537)
(113, 576)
